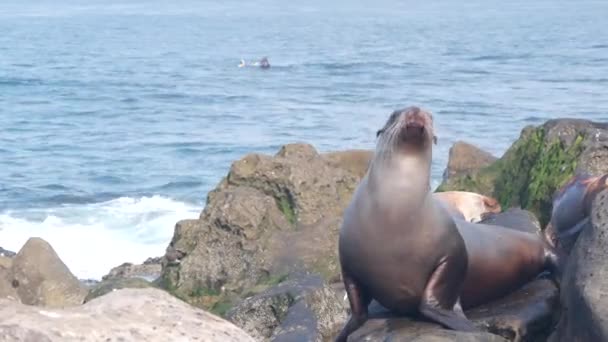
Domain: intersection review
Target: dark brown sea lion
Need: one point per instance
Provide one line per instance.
(514, 218)
(471, 205)
(400, 246)
(571, 209)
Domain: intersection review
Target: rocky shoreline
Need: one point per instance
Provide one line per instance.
(260, 262)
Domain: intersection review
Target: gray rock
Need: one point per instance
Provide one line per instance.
(584, 315)
(41, 278)
(464, 158)
(124, 315)
(526, 315)
(403, 329)
(270, 215)
(354, 161)
(299, 309)
(594, 157)
(149, 271)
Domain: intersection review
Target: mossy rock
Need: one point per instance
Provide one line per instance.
(108, 286)
(528, 174)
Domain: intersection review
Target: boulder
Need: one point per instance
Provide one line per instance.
(524, 315)
(300, 309)
(41, 278)
(538, 163)
(269, 217)
(114, 284)
(464, 159)
(354, 161)
(123, 315)
(149, 271)
(584, 314)
(7, 290)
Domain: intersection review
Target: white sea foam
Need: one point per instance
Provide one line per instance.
(93, 238)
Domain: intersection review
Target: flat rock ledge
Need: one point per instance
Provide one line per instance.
(525, 315)
(123, 315)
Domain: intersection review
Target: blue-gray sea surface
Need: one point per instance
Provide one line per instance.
(117, 117)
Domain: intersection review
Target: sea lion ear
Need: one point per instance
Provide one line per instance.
(435, 139)
(380, 131)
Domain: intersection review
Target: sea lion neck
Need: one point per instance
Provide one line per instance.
(400, 175)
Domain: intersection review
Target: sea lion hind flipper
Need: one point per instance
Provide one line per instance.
(440, 297)
(359, 301)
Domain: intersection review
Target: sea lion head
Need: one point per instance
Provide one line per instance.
(407, 130)
(491, 204)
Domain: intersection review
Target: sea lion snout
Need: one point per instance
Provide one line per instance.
(416, 125)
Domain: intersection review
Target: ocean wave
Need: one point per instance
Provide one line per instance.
(93, 238)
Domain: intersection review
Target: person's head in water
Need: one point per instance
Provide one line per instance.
(264, 63)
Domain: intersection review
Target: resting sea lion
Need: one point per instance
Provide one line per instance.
(471, 205)
(514, 218)
(400, 246)
(571, 209)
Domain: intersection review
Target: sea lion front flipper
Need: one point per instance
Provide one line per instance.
(441, 295)
(359, 301)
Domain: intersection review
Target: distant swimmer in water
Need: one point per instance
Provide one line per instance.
(263, 63)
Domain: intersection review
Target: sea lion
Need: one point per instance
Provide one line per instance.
(400, 246)
(514, 218)
(471, 205)
(571, 209)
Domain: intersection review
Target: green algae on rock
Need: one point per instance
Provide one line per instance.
(537, 165)
(270, 216)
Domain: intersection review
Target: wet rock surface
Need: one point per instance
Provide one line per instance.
(124, 315)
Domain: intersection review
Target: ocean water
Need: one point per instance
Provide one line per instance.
(117, 117)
